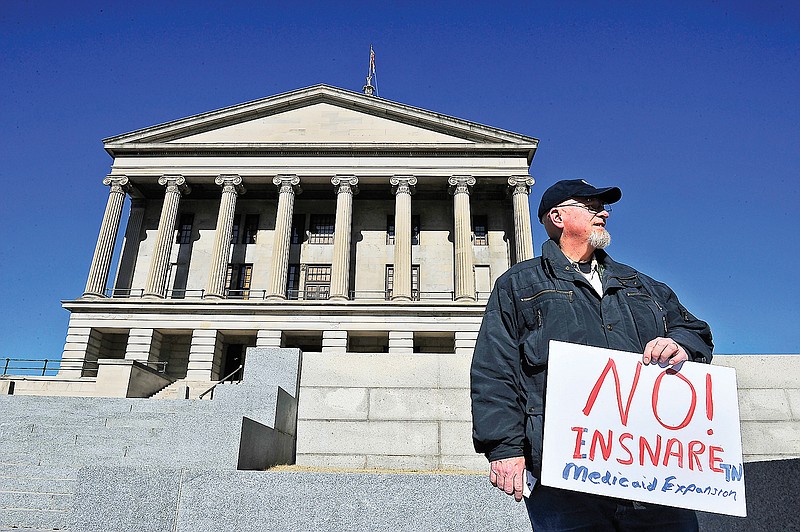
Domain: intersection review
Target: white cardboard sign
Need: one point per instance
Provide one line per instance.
(648, 433)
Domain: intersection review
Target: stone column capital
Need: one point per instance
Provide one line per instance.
(520, 184)
(175, 183)
(461, 184)
(403, 184)
(118, 183)
(345, 184)
(230, 183)
(287, 183)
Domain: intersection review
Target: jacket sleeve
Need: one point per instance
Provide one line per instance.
(498, 413)
(693, 334)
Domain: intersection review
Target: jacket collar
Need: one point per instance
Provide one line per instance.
(615, 274)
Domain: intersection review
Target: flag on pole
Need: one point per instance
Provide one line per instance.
(371, 61)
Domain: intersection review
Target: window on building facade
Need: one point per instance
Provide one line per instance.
(415, 224)
(480, 234)
(235, 229)
(321, 229)
(318, 281)
(414, 281)
(298, 228)
(185, 228)
(238, 280)
(250, 229)
(293, 282)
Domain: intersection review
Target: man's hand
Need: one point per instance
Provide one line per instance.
(664, 350)
(508, 475)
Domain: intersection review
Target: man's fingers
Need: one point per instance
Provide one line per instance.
(518, 479)
(507, 475)
(663, 350)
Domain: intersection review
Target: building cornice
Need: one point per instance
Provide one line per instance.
(286, 308)
(321, 150)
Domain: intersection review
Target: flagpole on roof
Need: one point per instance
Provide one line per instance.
(369, 89)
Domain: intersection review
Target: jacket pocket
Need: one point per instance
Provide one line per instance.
(543, 314)
(648, 315)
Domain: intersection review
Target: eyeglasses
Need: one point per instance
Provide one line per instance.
(593, 209)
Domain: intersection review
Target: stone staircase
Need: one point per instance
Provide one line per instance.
(36, 497)
(46, 441)
(174, 390)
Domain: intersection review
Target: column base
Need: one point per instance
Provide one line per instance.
(213, 296)
(465, 299)
(276, 297)
(93, 295)
(152, 296)
(401, 298)
(338, 298)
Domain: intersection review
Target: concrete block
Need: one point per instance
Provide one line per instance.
(367, 437)
(6, 387)
(762, 371)
(38, 501)
(793, 395)
(456, 437)
(333, 403)
(454, 370)
(356, 502)
(334, 461)
(131, 496)
(34, 519)
(419, 404)
(335, 334)
(266, 338)
(771, 438)
(466, 335)
(417, 463)
(401, 342)
(475, 463)
(758, 404)
(86, 331)
(370, 370)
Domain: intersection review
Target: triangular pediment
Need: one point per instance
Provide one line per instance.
(314, 117)
(321, 122)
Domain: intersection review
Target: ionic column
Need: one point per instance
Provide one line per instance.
(289, 185)
(231, 188)
(346, 187)
(521, 187)
(464, 258)
(101, 262)
(403, 188)
(159, 263)
(130, 247)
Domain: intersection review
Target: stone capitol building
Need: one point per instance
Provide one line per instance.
(324, 219)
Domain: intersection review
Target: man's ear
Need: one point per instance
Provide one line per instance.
(556, 219)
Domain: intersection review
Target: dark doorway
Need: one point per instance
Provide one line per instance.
(234, 358)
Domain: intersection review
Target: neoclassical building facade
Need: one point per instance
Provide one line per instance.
(324, 219)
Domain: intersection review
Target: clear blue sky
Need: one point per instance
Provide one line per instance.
(691, 107)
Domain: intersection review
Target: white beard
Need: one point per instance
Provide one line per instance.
(599, 239)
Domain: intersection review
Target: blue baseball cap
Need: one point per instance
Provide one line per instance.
(575, 188)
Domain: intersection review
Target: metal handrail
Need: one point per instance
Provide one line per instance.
(234, 372)
(42, 364)
(293, 295)
(159, 366)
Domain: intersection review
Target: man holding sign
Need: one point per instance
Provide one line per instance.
(574, 292)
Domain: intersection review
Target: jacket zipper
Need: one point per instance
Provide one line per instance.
(549, 291)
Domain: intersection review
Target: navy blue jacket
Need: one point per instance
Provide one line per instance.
(545, 299)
